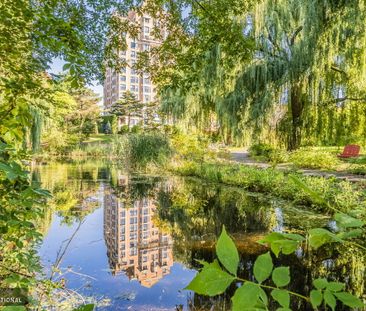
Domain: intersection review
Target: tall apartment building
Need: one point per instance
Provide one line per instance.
(116, 84)
(135, 245)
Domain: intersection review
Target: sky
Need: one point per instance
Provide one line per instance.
(56, 68)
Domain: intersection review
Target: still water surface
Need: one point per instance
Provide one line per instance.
(130, 241)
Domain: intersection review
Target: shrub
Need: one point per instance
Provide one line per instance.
(308, 158)
(191, 147)
(268, 153)
(123, 130)
(262, 150)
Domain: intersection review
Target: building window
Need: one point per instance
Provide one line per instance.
(134, 88)
(146, 47)
(122, 87)
(134, 80)
(146, 20)
(133, 54)
(123, 78)
(147, 89)
(147, 30)
(133, 44)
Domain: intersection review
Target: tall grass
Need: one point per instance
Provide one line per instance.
(139, 151)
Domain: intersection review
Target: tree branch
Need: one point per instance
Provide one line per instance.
(342, 99)
(339, 70)
(294, 35)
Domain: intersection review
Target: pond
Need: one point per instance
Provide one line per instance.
(130, 242)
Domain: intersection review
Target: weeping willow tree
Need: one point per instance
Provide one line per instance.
(305, 76)
(309, 59)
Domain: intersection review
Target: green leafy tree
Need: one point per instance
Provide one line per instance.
(128, 106)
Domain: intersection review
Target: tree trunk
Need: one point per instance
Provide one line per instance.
(296, 107)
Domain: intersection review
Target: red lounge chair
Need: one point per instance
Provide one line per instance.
(350, 151)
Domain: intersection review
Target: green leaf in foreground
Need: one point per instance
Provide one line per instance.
(335, 286)
(227, 253)
(285, 242)
(88, 307)
(263, 267)
(281, 276)
(211, 281)
(316, 298)
(320, 283)
(282, 297)
(246, 297)
(349, 300)
(330, 299)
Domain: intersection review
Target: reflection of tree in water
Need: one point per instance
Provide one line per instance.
(195, 213)
(74, 188)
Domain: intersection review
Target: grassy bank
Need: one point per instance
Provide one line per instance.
(317, 192)
(320, 158)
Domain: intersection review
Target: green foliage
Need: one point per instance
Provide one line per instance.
(227, 252)
(190, 147)
(263, 267)
(308, 158)
(261, 149)
(22, 207)
(282, 242)
(248, 296)
(281, 276)
(342, 195)
(213, 280)
(111, 120)
(141, 150)
(88, 307)
(289, 80)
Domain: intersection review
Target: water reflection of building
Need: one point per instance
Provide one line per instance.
(134, 244)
